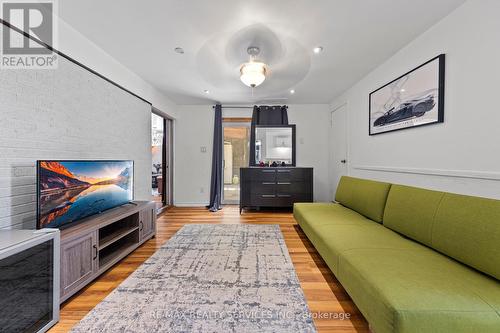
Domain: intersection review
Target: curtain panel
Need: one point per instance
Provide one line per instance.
(216, 180)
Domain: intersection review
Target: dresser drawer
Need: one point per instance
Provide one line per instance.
(262, 187)
(293, 174)
(304, 197)
(278, 200)
(293, 187)
(264, 200)
(288, 200)
(260, 175)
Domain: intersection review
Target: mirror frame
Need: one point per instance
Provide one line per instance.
(252, 144)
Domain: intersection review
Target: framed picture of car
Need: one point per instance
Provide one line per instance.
(413, 99)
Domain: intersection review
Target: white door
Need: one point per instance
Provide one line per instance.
(338, 157)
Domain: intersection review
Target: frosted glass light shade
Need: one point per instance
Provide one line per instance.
(253, 73)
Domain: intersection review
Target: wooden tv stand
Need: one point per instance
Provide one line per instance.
(96, 243)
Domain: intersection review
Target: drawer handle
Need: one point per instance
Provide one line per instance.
(284, 183)
(284, 195)
(95, 248)
(268, 196)
(268, 171)
(284, 170)
(268, 183)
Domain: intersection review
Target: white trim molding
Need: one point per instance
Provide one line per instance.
(487, 175)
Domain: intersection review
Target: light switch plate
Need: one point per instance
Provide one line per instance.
(203, 149)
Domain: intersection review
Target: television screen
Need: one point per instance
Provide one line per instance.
(71, 190)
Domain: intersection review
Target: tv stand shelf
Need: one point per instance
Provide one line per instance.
(98, 242)
(108, 256)
(115, 236)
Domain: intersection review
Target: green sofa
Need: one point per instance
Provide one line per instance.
(413, 260)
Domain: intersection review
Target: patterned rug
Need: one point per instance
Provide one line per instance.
(209, 278)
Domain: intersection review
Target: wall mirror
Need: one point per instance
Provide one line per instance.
(275, 144)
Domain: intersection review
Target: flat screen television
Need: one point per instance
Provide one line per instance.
(68, 191)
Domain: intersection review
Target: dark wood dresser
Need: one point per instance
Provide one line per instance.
(275, 186)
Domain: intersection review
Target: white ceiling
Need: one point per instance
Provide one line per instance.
(357, 35)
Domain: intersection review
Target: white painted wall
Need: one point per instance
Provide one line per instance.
(77, 46)
(70, 113)
(194, 129)
(192, 168)
(66, 113)
(312, 122)
(462, 154)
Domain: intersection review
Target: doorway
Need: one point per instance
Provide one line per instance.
(161, 151)
(338, 155)
(236, 136)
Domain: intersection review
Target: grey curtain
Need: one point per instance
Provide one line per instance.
(266, 115)
(216, 182)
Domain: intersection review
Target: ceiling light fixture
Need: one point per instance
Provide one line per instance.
(254, 72)
(292, 91)
(179, 50)
(318, 49)
(206, 91)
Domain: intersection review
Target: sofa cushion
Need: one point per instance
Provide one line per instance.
(411, 211)
(312, 215)
(463, 227)
(326, 213)
(366, 197)
(419, 290)
(340, 239)
(340, 229)
(468, 229)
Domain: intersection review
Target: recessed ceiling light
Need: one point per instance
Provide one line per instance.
(292, 91)
(179, 50)
(206, 91)
(318, 49)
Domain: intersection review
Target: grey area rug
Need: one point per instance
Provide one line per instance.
(209, 278)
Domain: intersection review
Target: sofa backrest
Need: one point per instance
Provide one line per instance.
(367, 197)
(411, 211)
(463, 227)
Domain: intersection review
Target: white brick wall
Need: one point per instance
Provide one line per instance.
(67, 113)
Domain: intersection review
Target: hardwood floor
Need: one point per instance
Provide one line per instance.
(325, 296)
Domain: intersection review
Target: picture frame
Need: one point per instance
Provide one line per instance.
(414, 99)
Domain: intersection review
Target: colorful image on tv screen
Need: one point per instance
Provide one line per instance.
(72, 190)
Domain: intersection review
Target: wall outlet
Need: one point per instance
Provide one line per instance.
(203, 149)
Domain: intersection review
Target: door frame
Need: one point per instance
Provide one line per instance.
(233, 122)
(167, 158)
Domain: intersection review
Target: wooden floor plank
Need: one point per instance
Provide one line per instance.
(324, 294)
